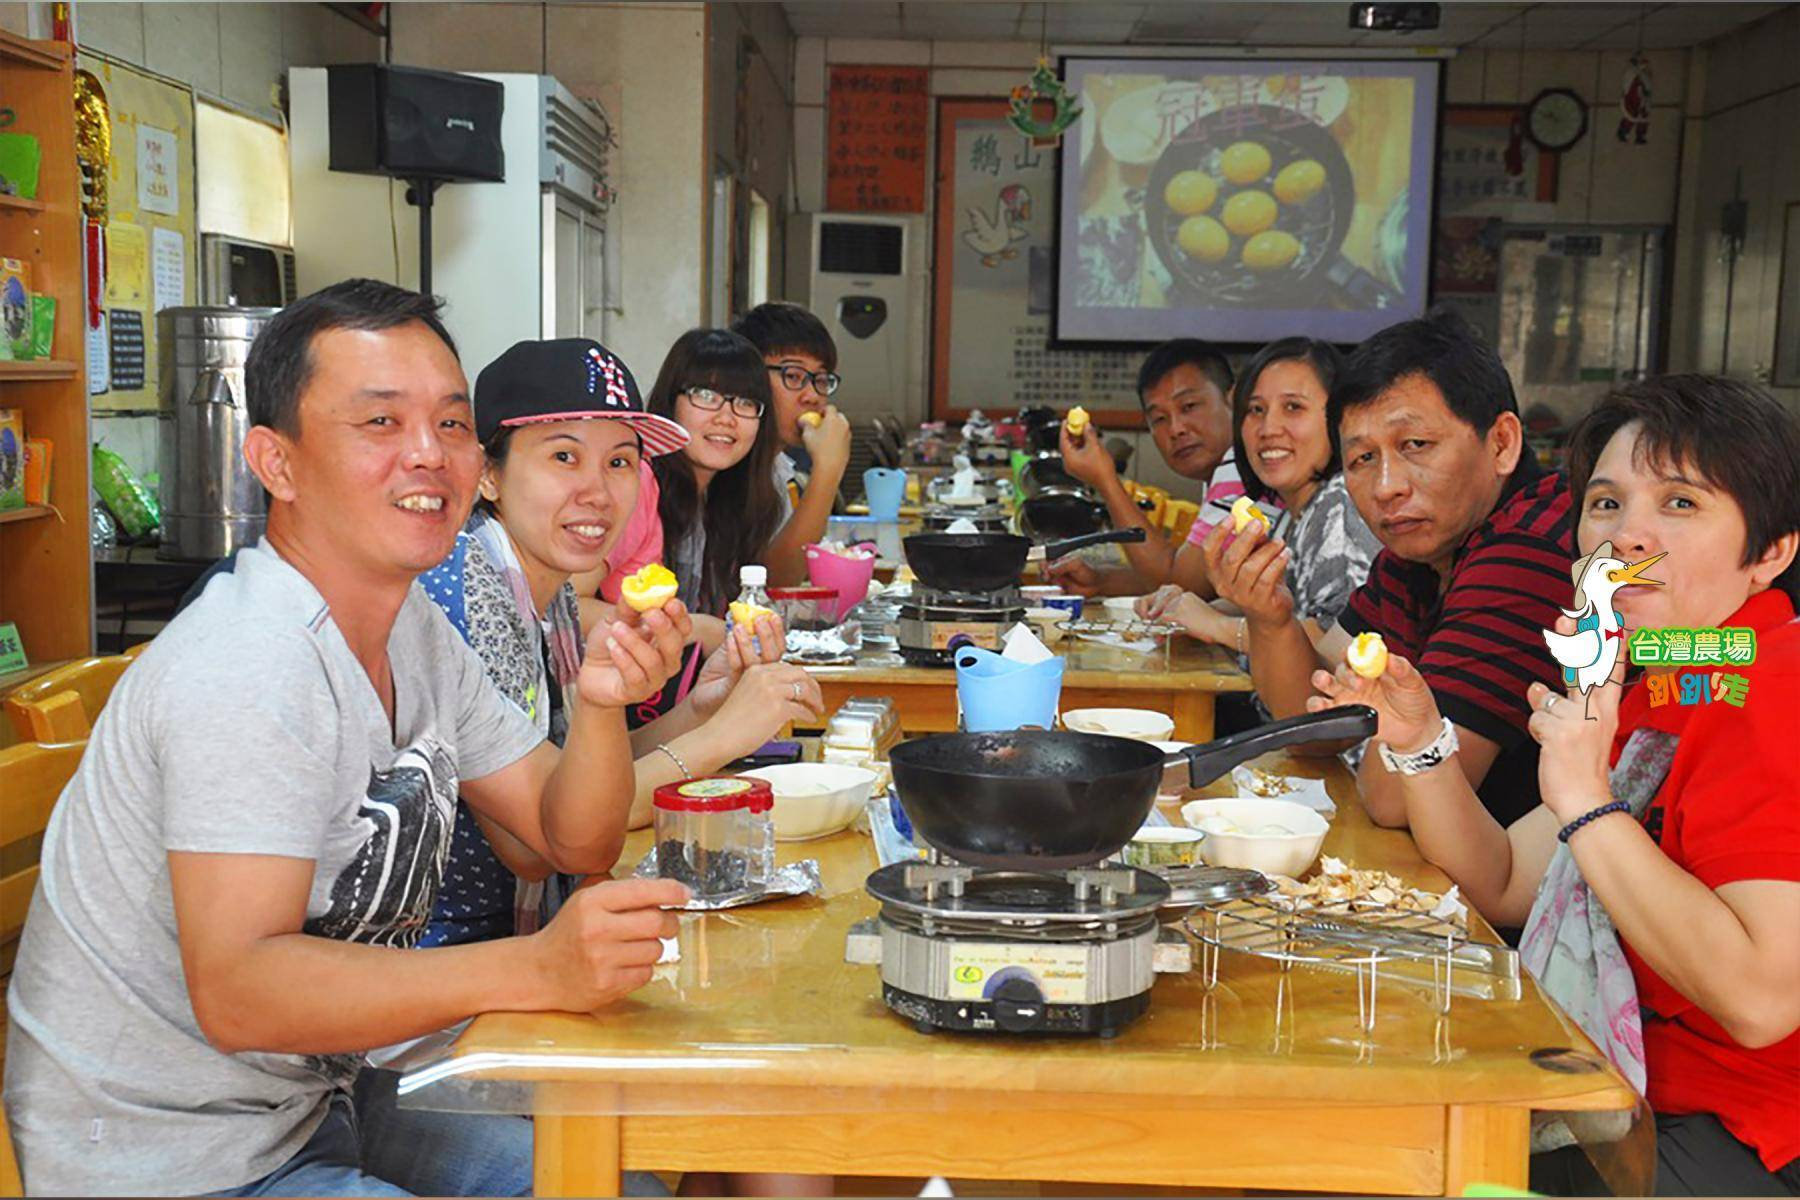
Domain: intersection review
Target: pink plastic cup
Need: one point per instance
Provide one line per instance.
(848, 577)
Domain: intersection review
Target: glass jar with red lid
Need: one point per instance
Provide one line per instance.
(716, 834)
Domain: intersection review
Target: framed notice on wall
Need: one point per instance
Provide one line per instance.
(878, 135)
(994, 280)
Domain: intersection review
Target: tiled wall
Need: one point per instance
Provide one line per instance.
(238, 52)
(646, 63)
(1743, 120)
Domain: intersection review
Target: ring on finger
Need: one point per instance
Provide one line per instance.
(1550, 699)
(798, 690)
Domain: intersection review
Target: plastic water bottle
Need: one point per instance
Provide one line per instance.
(753, 590)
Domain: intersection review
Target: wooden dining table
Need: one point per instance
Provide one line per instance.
(1177, 676)
(762, 1050)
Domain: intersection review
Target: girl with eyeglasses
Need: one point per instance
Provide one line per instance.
(719, 506)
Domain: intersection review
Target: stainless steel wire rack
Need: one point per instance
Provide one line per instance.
(1364, 938)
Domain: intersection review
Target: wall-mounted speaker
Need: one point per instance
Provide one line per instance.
(415, 124)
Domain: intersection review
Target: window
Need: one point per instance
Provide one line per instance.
(241, 169)
(759, 250)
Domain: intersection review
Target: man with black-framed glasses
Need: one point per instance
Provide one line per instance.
(802, 362)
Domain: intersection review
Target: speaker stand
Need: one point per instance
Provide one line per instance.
(419, 193)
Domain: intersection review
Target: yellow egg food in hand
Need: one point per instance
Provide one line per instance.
(1077, 421)
(1244, 511)
(1203, 238)
(746, 614)
(1271, 250)
(1367, 655)
(1245, 162)
(1190, 192)
(649, 587)
(812, 418)
(1249, 213)
(1299, 181)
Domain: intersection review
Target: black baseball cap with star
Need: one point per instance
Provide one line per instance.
(567, 379)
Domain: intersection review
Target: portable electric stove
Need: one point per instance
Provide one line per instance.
(1016, 951)
(933, 624)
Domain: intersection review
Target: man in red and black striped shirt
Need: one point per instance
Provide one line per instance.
(1478, 543)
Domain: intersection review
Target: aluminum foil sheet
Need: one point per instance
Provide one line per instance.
(795, 879)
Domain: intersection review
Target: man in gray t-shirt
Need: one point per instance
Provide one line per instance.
(234, 880)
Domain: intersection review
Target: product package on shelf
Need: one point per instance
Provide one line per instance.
(39, 454)
(43, 326)
(130, 501)
(15, 309)
(20, 156)
(12, 459)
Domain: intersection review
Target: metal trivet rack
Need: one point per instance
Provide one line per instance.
(1361, 937)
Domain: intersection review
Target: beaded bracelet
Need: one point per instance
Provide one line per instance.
(1568, 831)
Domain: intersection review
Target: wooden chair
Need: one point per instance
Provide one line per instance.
(32, 777)
(62, 705)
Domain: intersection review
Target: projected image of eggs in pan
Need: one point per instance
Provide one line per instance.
(1248, 204)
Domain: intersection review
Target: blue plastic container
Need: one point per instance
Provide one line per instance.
(885, 488)
(998, 694)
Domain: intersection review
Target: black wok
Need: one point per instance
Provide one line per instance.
(1319, 223)
(1048, 801)
(1061, 513)
(988, 562)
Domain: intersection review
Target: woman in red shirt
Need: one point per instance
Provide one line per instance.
(1681, 819)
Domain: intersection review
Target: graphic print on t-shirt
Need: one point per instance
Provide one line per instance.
(383, 897)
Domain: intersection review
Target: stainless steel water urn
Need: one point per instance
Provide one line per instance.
(211, 503)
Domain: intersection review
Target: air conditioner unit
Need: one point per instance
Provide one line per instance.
(865, 279)
(245, 274)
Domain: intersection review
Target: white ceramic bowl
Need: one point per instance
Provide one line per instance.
(1048, 623)
(1271, 853)
(1121, 608)
(1143, 724)
(814, 799)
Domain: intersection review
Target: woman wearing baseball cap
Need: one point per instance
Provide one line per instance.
(565, 432)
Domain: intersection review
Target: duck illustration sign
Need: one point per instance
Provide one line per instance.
(1588, 655)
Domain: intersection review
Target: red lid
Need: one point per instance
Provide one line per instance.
(716, 793)
(803, 593)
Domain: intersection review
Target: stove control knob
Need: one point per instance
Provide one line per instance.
(958, 641)
(1018, 1006)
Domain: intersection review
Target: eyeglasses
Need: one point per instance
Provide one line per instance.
(707, 400)
(794, 378)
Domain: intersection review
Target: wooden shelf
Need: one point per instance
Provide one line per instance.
(41, 368)
(24, 514)
(19, 204)
(51, 56)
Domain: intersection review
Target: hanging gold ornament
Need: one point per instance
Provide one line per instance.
(93, 144)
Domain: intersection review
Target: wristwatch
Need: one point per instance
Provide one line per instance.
(1419, 761)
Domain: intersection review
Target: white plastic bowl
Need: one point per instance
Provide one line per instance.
(1143, 724)
(1271, 853)
(815, 799)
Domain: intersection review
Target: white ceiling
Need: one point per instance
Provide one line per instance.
(1548, 26)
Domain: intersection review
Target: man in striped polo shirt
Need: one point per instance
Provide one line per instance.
(1477, 545)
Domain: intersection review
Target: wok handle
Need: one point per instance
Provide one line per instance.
(1208, 761)
(1055, 550)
